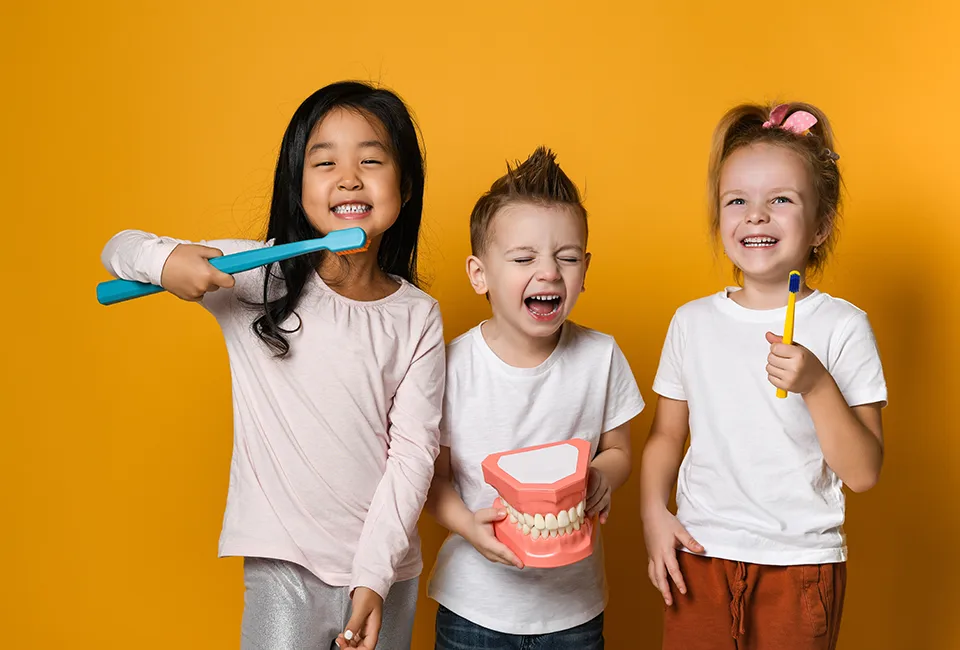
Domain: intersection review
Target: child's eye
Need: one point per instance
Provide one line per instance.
(324, 163)
(736, 202)
(570, 260)
(523, 260)
(372, 162)
(782, 199)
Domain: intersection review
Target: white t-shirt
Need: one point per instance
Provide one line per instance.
(585, 388)
(754, 486)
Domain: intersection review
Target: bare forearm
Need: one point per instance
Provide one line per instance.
(615, 464)
(658, 471)
(447, 507)
(851, 449)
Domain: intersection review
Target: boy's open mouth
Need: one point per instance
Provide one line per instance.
(543, 306)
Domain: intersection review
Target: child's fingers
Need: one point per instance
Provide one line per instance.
(605, 514)
(673, 568)
(777, 382)
(221, 279)
(773, 371)
(784, 351)
(595, 501)
(208, 252)
(490, 515)
(662, 584)
(508, 558)
(652, 572)
(688, 541)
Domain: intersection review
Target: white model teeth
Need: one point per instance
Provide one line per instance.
(351, 208)
(546, 297)
(546, 526)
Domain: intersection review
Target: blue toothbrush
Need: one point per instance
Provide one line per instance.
(342, 242)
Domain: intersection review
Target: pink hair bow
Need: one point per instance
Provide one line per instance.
(798, 122)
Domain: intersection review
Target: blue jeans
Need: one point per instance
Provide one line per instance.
(457, 633)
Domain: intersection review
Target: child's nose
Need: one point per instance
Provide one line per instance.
(350, 183)
(758, 215)
(549, 271)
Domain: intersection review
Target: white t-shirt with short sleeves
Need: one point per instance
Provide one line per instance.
(584, 389)
(754, 485)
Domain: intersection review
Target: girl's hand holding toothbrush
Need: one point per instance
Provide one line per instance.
(188, 275)
(793, 367)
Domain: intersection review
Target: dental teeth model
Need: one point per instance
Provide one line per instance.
(543, 489)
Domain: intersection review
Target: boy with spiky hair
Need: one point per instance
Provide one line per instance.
(526, 376)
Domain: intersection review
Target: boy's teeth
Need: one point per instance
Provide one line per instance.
(545, 298)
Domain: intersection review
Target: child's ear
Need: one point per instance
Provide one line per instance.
(586, 267)
(475, 274)
(823, 233)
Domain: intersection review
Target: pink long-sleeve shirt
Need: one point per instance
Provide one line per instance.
(334, 445)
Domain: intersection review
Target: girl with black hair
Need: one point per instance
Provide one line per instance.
(337, 367)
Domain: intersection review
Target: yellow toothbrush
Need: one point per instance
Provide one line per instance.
(794, 289)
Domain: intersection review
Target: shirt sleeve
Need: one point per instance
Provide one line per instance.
(854, 363)
(414, 421)
(141, 256)
(624, 401)
(669, 379)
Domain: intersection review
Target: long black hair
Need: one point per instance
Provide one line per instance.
(397, 254)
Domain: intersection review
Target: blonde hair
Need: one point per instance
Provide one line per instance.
(743, 126)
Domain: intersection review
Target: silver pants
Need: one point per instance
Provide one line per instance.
(285, 607)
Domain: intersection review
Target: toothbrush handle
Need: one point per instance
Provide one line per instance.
(348, 239)
(114, 291)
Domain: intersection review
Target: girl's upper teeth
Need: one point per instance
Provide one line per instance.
(351, 207)
(545, 298)
(759, 239)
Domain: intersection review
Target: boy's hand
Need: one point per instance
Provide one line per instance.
(598, 495)
(480, 534)
(365, 618)
(664, 535)
(793, 368)
(188, 275)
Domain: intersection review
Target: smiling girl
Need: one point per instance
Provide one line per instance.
(338, 372)
(760, 505)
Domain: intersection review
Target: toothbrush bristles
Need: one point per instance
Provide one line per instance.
(351, 251)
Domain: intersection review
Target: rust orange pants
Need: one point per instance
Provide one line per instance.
(741, 606)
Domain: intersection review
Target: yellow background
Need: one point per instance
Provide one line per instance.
(167, 116)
